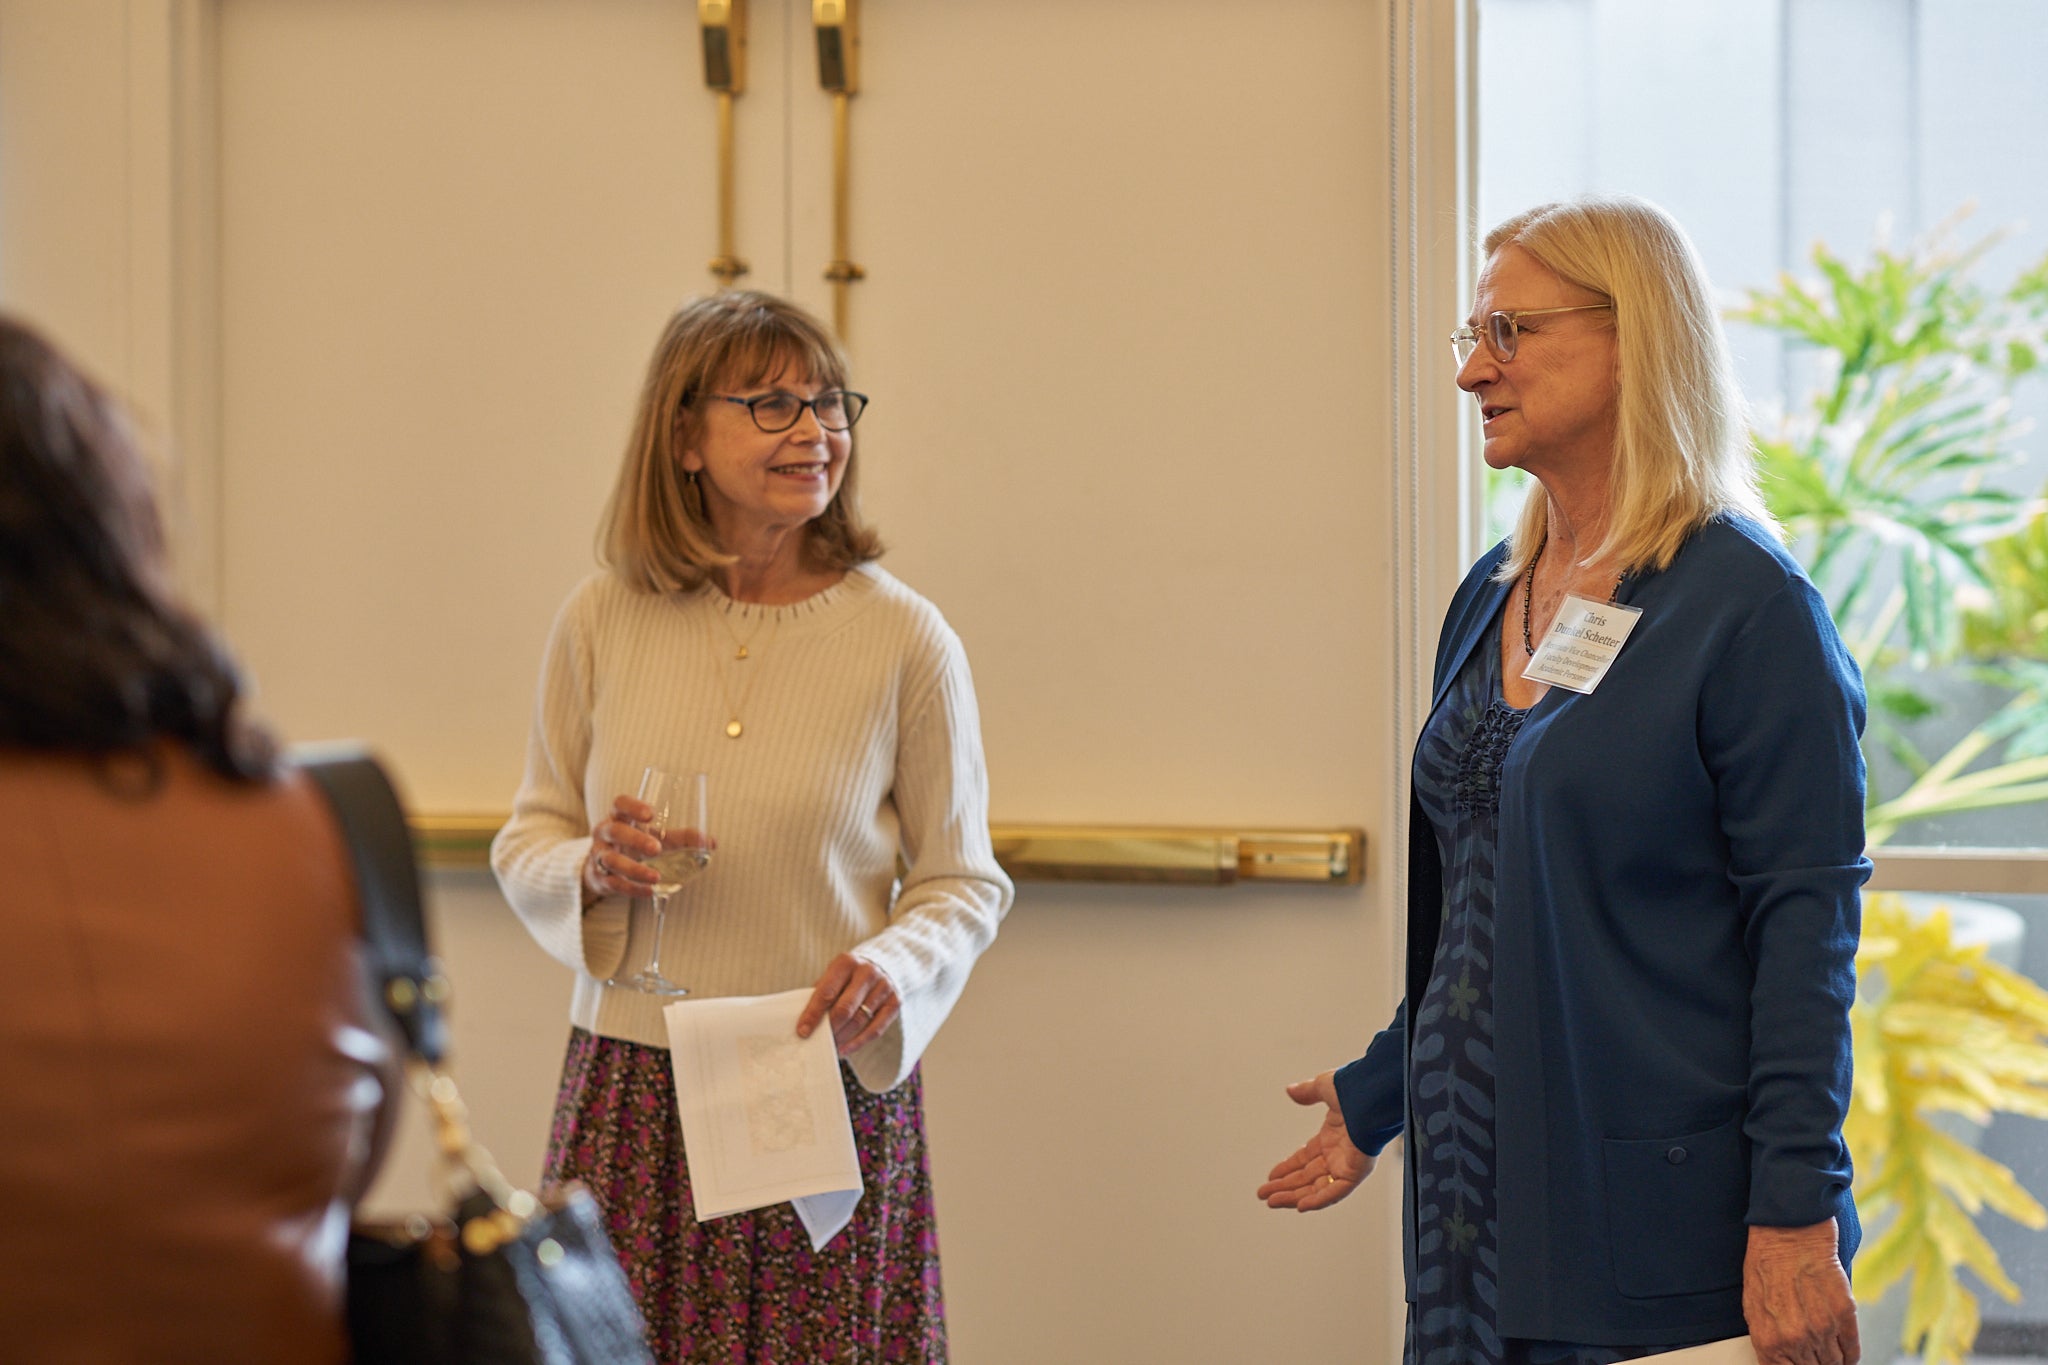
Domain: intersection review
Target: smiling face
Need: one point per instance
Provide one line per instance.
(757, 482)
(1550, 410)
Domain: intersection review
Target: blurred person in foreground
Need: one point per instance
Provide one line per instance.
(1622, 1063)
(742, 629)
(192, 1085)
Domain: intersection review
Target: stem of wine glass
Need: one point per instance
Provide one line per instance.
(660, 899)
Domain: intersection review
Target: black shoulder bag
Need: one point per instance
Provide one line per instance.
(501, 1277)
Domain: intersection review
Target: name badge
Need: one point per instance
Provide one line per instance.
(1581, 644)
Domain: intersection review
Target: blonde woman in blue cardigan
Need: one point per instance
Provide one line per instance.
(1636, 849)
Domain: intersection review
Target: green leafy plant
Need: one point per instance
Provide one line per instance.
(2013, 622)
(1883, 478)
(1938, 1029)
(1887, 479)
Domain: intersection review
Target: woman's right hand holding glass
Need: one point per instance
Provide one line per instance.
(617, 843)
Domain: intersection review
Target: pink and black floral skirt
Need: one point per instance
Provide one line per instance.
(747, 1289)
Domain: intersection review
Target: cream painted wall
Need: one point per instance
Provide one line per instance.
(64, 149)
(1108, 257)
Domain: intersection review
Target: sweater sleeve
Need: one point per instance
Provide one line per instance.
(953, 893)
(1780, 717)
(538, 855)
(1372, 1091)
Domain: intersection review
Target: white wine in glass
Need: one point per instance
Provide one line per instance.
(682, 821)
(675, 866)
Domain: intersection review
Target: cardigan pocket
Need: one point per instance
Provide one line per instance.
(1675, 1209)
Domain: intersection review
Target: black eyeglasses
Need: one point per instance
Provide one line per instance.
(835, 409)
(1503, 331)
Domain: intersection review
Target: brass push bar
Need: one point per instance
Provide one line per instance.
(455, 841)
(1210, 857)
(1083, 853)
(723, 24)
(1060, 853)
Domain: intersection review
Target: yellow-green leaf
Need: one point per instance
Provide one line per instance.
(1886, 1258)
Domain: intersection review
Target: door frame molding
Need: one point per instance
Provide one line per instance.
(173, 368)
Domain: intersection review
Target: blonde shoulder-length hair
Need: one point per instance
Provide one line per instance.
(655, 533)
(1682, 453)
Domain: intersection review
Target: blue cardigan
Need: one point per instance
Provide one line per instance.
(1677, 880)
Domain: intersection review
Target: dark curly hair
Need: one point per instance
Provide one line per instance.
(97, 658)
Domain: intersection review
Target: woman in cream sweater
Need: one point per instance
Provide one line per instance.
(742, 629)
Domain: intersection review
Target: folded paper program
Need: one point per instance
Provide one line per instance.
(763, 1112)
(1734, 1351)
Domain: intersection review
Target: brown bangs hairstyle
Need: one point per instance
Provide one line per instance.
(97, 658)
(655, 533)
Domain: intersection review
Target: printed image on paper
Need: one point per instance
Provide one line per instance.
(763, 1111)
(778, 1101)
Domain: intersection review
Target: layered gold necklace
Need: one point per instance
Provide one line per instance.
(742, 655)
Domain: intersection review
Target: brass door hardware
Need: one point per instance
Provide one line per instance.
(1058, 853)
(1213, 857)
(838, 45)
(724, 27)
(1113, 853)
(838, 33)
(723, 24)
(454, 841)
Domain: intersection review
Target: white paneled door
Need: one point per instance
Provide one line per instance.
(1134, 291)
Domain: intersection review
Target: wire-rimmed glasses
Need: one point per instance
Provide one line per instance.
(835, 409)
(1503, 332)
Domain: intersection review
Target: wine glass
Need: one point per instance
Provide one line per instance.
(681, 820)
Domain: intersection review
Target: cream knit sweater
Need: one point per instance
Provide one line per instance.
(861, 740)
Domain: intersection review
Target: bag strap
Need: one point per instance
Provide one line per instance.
(409, 981)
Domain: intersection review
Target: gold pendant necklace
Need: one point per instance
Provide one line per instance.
(740, 650)
(734, 725)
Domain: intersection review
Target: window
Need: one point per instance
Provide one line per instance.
(1773, 130)
(1891, 136)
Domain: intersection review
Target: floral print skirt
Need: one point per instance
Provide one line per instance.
(747, 1289)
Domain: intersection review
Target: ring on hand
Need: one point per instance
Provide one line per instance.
(602, 870)
(868, 1010)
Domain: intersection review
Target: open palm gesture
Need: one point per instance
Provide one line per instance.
(1324, 1169)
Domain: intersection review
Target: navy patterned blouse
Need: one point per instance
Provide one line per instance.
(1457, 779)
